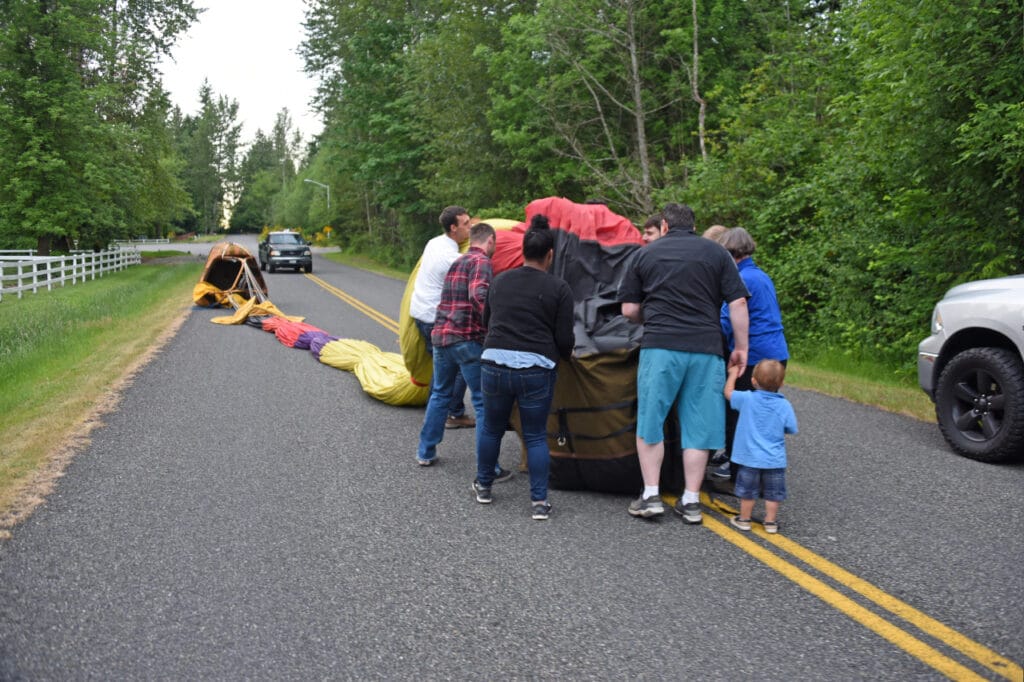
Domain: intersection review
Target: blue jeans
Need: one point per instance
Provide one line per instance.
(460, 360)
(533, 388)
(751, 483)
(457, 405)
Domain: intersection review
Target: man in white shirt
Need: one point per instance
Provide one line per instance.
(438, 256)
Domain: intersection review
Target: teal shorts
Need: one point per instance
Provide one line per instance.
(693, 382)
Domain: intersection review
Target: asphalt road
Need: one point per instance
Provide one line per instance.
(249, 513)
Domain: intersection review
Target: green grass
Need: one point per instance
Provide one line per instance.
(862, 385)
(861, 380)
(212, 238)
(365, 263)
(62, 351)
(156, 255)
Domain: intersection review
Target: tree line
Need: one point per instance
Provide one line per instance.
(874, 148)
(91, 148)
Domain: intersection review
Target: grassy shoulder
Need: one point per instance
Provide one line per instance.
(364, 263)
(164, 254)
(63, 354)
(211, 238)
(852, 383)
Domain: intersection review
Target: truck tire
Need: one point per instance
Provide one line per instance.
(979, 404)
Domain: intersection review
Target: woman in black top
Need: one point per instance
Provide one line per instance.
(529, 319)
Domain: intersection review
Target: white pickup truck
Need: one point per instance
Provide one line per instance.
(972, 366)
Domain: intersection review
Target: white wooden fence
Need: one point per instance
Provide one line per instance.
(21, 271)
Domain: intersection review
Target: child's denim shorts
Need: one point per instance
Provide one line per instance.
(752, 483)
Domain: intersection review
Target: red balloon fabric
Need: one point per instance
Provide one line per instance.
(286, 331)
(589, 222)
(508, 249)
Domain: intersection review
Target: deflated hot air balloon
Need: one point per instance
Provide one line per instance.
(592, 425)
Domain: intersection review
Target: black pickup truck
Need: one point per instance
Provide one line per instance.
(285, 250)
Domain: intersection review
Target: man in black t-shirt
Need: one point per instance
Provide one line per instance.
(675, 287)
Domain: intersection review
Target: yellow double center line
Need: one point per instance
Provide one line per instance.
(917, 648)
(373, 314)
(833, 597)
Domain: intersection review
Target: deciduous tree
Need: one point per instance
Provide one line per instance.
(79, 118)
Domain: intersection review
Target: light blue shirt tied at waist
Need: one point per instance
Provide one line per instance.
(517, 359)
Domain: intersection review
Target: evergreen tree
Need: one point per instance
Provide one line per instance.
(267, 175)
(211, 142)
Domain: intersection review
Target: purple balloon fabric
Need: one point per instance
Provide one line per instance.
(315, 341)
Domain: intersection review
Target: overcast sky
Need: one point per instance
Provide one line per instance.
(249, 53)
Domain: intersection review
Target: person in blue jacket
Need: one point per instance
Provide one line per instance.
(767, 341)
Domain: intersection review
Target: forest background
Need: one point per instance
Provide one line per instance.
(874, 148)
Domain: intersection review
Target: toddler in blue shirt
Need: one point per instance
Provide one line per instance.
(759, 449)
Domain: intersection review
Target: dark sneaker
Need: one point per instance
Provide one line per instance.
(540, 511)
(690, 512)
(771, 527)
(463, 422)
(483, 495)
(718, 459)
(742, 524)
(502, 475)
(426, 462)
(722, 470)
(646, 507)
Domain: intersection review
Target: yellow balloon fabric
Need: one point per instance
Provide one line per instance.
(418, 361)
(345, 354)
(385, 378)
(501, 223)
(252, 308)
(204, 293)
(382, 375)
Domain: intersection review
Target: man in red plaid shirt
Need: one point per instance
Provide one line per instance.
(458, 337)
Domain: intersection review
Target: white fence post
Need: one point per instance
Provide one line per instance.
(29, 272)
